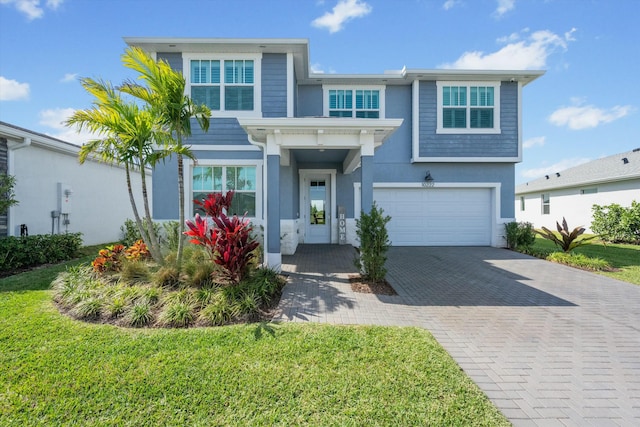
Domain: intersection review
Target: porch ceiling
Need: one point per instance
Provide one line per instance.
(320, 156)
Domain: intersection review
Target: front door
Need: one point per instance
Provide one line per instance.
(318, 209)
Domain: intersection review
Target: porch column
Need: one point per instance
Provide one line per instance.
(274, 255)
(366, 171)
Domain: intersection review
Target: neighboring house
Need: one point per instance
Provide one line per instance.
(306, 152)
(572, 193)
(56, 194)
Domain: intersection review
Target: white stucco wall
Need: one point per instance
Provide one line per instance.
(572, 205)
(97, 208)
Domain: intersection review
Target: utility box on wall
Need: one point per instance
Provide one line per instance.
(64, 198)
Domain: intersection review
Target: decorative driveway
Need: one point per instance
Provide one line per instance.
(549, 344)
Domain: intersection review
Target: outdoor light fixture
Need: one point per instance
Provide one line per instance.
(428, 177)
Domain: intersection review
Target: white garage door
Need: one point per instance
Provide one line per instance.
(437, 216)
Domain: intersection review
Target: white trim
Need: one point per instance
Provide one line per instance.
(495, 188)
(520, 114)
(304, 174)
(466, 159)
(290, 85)
(189, 164)
(415, 121)
(213, 147)
(327, 87)
(257, 80)
(468, 130)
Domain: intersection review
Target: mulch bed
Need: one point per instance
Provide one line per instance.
(358, 284)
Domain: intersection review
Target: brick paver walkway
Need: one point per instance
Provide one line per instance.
(549, 345)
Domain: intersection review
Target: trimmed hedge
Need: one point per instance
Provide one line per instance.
(31, 251)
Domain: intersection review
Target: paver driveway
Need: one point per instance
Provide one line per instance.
(549, 344)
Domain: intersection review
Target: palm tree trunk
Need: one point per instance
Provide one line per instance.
(181, 213)
(153, 242)
(132, 200)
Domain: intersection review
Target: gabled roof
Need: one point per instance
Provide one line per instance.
(619, 167)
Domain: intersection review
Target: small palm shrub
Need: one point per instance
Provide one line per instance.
(371, 230)
(568, 240)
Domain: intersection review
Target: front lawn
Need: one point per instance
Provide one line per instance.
(59, 371)
(624, 258)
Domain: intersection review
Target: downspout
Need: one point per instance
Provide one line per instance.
(263, 146)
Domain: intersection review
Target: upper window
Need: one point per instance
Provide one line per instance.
(589, 190)
(361, 103)
(220, 179)
(224, 84)
(468, 107)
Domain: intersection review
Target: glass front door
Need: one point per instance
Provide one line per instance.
(318, 216)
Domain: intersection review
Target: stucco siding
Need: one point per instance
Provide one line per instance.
(274, 85)
(575, 207)
(504, 144)
(99, 203)
(3, 170)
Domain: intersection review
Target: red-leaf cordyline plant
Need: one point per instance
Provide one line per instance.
(229, 242)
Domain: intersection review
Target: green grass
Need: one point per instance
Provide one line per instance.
(58, 371)
(624, 258)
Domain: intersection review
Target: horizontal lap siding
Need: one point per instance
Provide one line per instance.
(222, 131)
(504, 144)
(274, 85)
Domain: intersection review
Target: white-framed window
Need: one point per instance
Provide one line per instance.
(546, 203)
(228, 85)
(361, 102)
(468, 107)
(242, 179)
(592, 190)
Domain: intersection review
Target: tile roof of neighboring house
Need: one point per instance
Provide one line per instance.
(606, 169)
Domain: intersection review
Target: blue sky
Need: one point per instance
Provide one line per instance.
(586, 106)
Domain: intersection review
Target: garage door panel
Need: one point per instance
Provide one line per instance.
(437, 217)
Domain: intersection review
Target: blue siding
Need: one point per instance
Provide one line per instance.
(397, 149)
(173, 58)
(469, 145)
(274, 85)
(222, 131)
(273, 204)
(289, 190)
(310, 101)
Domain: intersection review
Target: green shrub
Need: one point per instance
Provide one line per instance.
(519, 235)
(617, 224)
(131, 234)
(178, 314)
(140, 314)
(135, 272)
(31, 251)
(579, 260)
(7, 195)
(172, 234)
(371, 230)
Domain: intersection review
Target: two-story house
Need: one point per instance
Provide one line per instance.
(306, 152)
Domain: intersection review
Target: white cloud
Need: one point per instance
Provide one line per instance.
(32, 8)
(69, 77)
(317, 68)
(532, 142)
(580, 116)
(12, 90)
(343, 12)
(530, 53)
(504, 6)
(54, 118)
(556, 167)
(450, 4)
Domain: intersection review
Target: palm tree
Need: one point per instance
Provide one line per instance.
(129, 133)
(165, 94)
